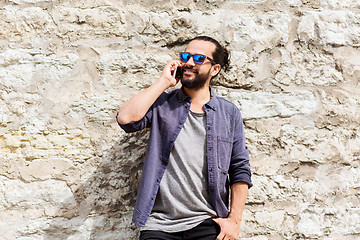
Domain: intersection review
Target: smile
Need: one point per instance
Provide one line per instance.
(190, 71)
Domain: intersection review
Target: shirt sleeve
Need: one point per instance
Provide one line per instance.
(239, 170)
(146, 121)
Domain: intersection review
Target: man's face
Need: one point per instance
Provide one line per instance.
(195, 76)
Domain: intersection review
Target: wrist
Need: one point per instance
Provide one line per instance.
(236, 219)
(163, 83)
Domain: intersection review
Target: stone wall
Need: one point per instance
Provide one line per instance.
(69, 172)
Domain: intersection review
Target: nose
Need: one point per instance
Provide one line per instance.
(190, 62)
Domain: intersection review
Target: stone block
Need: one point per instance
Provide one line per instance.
(337, 28)
(264, 105)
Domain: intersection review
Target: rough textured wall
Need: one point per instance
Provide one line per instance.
(68, 172)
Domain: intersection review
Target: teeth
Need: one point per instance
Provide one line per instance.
(186, 72)
(189, 71)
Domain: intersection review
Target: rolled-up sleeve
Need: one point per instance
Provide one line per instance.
(145, 122)
(239, 170)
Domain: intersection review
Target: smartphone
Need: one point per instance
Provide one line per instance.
(178, 73)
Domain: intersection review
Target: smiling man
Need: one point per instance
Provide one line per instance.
(196, 151)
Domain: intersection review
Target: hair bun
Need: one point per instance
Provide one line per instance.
(221, 55)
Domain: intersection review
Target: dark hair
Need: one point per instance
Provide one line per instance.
(221, 55)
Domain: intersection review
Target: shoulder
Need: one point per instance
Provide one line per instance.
(167, 97)
(227, 106)
(170, 94)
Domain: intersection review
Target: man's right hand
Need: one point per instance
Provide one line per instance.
(167, 74)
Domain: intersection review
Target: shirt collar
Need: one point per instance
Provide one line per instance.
(182, 96)
(213, 100)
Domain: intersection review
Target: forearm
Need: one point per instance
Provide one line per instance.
(239, 193)
(136, 108)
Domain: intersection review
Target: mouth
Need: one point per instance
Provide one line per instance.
(190, 71)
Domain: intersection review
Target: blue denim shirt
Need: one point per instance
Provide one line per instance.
(227, 155)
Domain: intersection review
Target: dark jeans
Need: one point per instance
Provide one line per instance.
(207, 230)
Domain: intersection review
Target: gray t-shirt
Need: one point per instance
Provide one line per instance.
(182, 201)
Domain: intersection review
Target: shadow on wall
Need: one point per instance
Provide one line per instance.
(105, 200)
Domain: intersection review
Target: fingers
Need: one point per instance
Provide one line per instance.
(220, 237)
(226, 233)
(218, 221)
(173, 64)
(168, 71)
(170, 67)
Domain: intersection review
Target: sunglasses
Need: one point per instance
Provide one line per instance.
(198, 58)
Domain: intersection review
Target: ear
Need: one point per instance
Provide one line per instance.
(215, 69)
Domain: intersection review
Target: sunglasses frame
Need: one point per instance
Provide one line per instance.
(193, 55)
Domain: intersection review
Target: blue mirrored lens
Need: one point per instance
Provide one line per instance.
(199, 58)
(184, 57)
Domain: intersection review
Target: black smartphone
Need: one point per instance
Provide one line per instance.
(178, 73)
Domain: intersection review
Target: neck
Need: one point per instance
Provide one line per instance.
(198, 97)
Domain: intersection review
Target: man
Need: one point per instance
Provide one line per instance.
(196, 150)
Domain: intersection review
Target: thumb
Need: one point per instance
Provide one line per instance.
(217, 220)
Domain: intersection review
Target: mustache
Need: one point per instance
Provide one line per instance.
(192, 69)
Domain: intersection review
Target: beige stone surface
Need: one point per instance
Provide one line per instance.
(69, 172)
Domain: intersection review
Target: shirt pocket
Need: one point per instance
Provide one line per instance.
(224, 153)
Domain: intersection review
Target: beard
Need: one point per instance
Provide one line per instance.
(196, 83)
